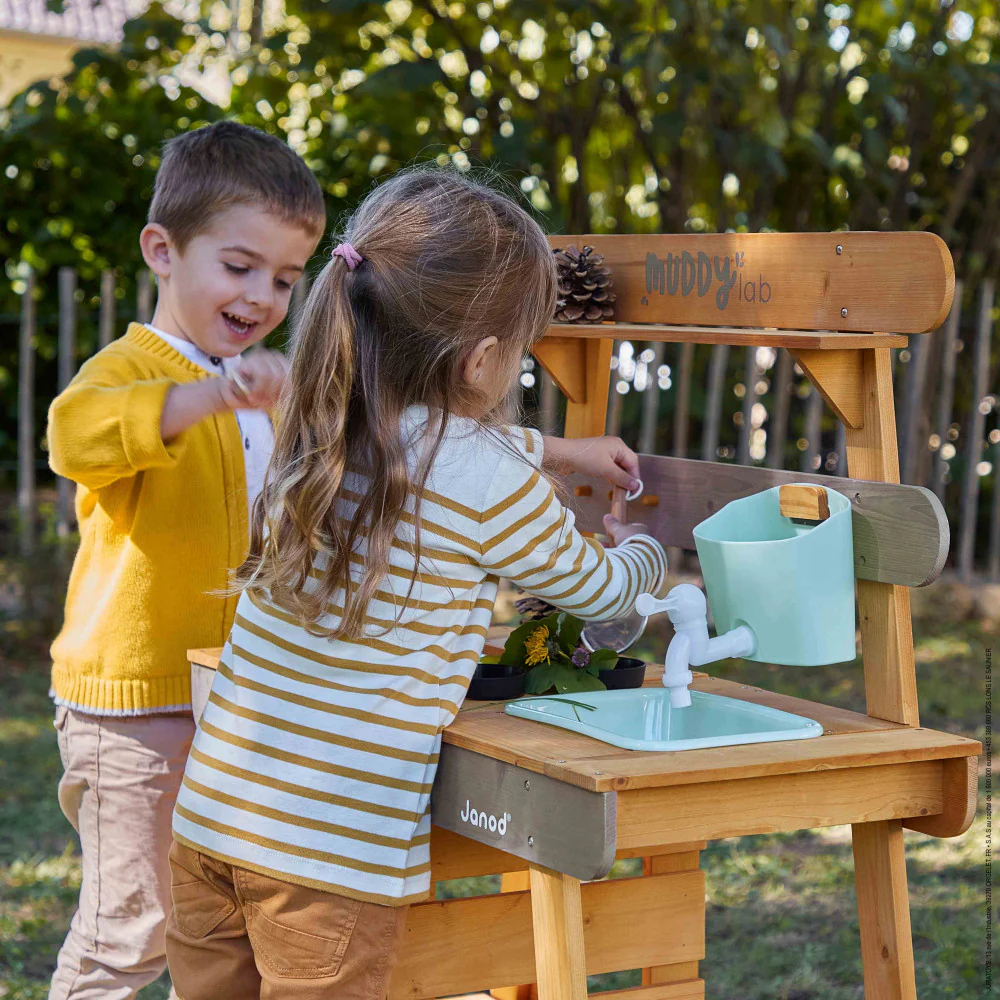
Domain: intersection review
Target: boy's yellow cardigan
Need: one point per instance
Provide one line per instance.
(160, 525)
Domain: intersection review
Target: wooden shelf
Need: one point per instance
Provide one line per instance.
(822, 340)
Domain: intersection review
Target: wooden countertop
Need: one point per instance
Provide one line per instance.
(850, 739)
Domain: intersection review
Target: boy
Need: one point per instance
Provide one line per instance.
(167, 435)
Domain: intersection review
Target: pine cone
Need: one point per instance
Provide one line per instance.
(585, 294)
(532, 608)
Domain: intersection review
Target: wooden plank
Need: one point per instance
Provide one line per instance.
(961, 787)
(777, 432)
(598, 766)
(973, 432)
(901, 533)
(946, 400)
(883, 607)
(557, 925)
(715, 389)
(588, 418)
(454, 856)
(828, 340)
(776, 804)
(547, 822)
(687, 989)
(883, 911)
(457, 945)
(810, 281)
(837, 377)
(26, 418)
(661, 864)
(65, 488)
(682, 411)
(106, 321)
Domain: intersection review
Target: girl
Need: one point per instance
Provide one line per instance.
(396, 498)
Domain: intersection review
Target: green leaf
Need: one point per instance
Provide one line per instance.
(604, 659)
(569, 633)
(541, 678)
(489, 659)
(579, 680)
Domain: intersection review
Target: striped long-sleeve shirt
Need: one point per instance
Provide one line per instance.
(314, 758)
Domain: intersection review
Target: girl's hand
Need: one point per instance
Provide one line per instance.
(607, 457)
(257, 382)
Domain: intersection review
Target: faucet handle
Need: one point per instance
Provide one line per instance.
(647, 605)
(685, 602)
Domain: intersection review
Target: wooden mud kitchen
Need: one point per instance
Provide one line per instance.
(552, 809)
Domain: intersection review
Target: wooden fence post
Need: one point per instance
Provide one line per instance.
(65, 488)
(977, 420)
(778, 424)
(613, 421)
(651, 403)
(993, 561)
(713, 402)
(946, 400)
(106, 328)
(911, 442)
(814, 416)
(548, 403)
(144, 296)
(26, 419)
(841, 446)
(682, 411)
(749, 398)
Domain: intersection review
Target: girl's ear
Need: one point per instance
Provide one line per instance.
(481, 361)
(157, 249)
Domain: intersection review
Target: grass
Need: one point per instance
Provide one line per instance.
(781, 909)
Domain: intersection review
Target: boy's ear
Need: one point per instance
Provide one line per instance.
(479, 360)
(157, 249)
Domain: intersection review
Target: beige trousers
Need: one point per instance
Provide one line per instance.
(120, 781)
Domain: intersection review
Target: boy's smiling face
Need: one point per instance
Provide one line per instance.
(231, 285)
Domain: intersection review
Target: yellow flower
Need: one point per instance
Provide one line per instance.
(536, 646)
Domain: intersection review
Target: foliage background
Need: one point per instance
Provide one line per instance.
(608, 115)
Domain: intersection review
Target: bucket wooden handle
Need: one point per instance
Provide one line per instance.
(809, 503)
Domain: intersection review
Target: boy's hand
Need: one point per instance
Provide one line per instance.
(607, 457)
(256, 383)
(618, 532)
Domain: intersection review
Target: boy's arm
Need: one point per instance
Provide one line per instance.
(530, 538)
(101, 430)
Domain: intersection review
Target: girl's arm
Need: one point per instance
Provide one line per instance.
(527, 536)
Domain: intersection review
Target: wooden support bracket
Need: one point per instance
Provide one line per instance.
(557, 923)
(837, 376)
(582, 369)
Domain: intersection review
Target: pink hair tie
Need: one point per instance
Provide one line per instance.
(351, 256)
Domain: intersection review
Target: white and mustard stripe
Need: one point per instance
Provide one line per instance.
(314, 759)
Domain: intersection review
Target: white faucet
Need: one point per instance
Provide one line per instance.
(691, 646)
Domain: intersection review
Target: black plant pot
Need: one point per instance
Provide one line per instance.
(628, 672)
(496, 682)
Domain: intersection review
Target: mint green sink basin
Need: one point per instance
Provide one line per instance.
(643, 719)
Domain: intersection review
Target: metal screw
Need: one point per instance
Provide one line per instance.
(843, 312)
(527, 786)
(560, 762)
(598, 772)
(829, 730)
(531, 842)
(840, 249)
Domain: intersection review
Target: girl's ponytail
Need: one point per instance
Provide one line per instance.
(295, 515)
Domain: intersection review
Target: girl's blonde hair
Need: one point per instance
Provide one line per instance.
(446, 263)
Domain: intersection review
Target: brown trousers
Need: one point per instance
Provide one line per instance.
(236, 934)
(119, 784)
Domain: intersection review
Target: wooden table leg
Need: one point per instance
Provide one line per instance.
(557, 920)
(883, 910)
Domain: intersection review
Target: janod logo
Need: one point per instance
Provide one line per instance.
(485, 821)
(686, 272)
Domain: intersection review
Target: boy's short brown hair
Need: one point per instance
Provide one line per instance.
(215, 167)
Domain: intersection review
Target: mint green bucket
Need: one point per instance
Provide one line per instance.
(792, 583)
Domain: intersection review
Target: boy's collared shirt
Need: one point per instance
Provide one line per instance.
(255, 425)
